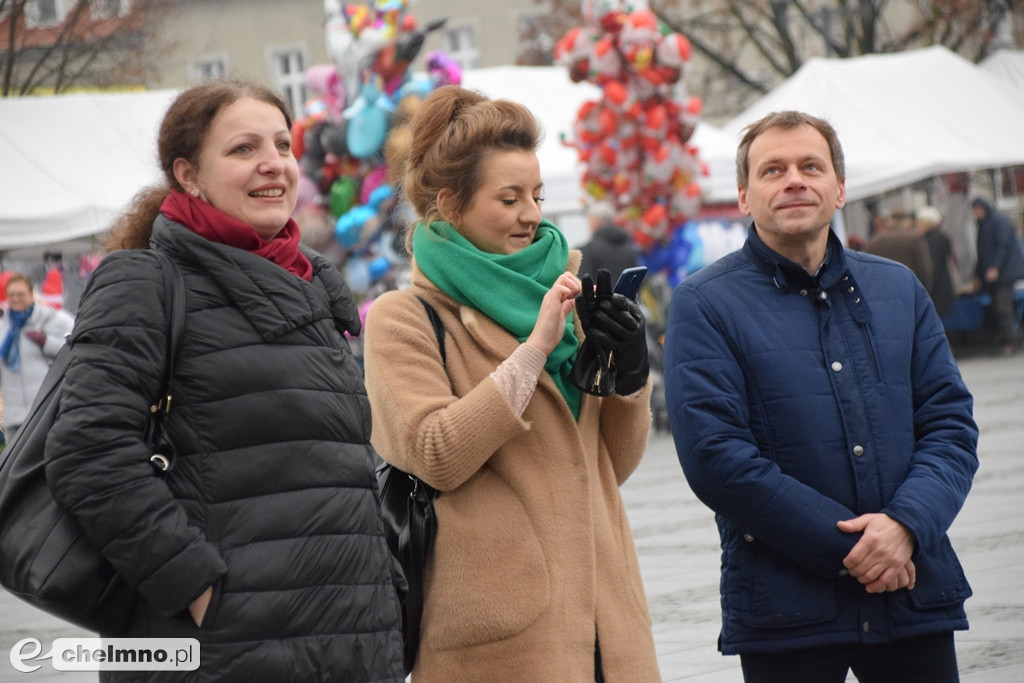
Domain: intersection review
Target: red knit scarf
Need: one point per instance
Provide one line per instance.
(216, 226)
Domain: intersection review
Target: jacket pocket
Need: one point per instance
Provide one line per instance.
(782, 594)
(940, 579)
(487, 578)
(210, 618)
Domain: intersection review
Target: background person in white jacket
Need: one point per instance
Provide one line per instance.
(31, 334)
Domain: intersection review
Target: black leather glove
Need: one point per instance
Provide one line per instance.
(588, 298)
(591, 372)
(617, 324)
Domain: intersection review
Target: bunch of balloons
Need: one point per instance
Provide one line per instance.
(634, 141)
(340, 138)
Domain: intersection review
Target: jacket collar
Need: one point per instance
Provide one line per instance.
(274, 300)
(789, 275)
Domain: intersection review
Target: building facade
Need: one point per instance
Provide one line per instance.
(275, 42)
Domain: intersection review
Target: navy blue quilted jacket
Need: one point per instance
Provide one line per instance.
(272, 495)
(796, 403)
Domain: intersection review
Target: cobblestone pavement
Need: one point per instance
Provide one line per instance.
(678, 547)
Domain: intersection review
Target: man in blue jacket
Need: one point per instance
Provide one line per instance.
(817, 409)
(1000, 264)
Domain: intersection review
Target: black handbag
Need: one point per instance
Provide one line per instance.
(45, 559)
(592, 371)
(407, 505)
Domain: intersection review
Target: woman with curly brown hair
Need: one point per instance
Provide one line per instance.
(263, 540)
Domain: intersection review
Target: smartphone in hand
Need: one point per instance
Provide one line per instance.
(628, 283)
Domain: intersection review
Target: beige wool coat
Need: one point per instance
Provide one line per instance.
(534, 551)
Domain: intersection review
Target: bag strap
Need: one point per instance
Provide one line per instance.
(439, 332)
(174, 307)
(174, 294)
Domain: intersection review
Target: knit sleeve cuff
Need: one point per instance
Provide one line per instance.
(517, 376)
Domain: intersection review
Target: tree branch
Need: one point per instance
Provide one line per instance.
(11, 57)
(715, 56)
(751, 31)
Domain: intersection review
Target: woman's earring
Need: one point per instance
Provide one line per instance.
(194, 192)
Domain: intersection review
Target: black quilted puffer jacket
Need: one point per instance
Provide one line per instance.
(271, 497)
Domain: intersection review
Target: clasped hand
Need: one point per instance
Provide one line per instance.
(881, 558)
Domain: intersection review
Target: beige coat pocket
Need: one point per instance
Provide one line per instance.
(487, 580)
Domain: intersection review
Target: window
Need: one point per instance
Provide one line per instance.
(107, 9)
(43, 13)
(288, 74)
(207, 67)
(460, 44)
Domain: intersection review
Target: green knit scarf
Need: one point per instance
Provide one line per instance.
(507, 288)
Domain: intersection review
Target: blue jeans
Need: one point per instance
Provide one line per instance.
(924, 659)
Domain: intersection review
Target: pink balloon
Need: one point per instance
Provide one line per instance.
(306, 192)
(371, 182)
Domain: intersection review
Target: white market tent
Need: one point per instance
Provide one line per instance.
(903, 117)
(70, 163)
(1008, 67)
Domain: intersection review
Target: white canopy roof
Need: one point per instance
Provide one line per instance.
(1008, 67)
(69, 164)
(903, 117)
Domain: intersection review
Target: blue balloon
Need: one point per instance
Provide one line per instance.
(380, 194)
(350, 224)
(418, 85)
(379, 267)
(366, 132)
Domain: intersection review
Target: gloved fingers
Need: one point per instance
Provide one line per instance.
(610, 341)
(604, 283)
(616, 323)
(587, 291)
(585, 300)
(619, 332)
(621, 311)
(609, 334)
(623, 302)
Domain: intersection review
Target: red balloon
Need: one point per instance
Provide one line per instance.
(608, 154)
(609, 123)
(644, 240)
(656, 117)
(616, 93)
(298, 138)
(654, 215)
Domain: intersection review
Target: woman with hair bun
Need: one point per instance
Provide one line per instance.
(533, 574)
